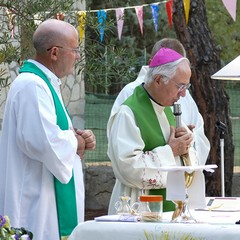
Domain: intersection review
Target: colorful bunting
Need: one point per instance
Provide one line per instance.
(231, 6)
(186, 4)
(154, 8)
(81, 24)
(169, 6)
(102, 15)
(139, 12)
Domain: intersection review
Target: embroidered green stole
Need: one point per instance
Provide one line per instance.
(150, 129)
(65, 193)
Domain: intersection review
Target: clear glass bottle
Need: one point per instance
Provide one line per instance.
(122, 206)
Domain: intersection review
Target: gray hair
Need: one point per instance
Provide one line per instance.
(171, 43)
(167, 71)
(42, 42)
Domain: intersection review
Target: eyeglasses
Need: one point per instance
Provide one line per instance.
(181, 87)
(75, 50)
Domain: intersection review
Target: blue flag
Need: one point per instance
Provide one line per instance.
(102, 15)
(154, 8)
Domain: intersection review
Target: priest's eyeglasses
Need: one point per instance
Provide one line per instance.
(75, 50)
(181, 87)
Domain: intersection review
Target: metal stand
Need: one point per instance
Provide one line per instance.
(221, 127)
(222, 167)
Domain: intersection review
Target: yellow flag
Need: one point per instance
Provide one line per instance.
(81, 24)
(186, 4)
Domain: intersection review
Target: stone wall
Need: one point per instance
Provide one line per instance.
(72, 88)
(73, 92)
(99, 182)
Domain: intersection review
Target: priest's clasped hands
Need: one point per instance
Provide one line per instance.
(86, 141)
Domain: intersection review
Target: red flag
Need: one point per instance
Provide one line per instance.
(169, 5)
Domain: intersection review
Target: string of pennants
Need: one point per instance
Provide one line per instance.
(230, 5)
(102, 16)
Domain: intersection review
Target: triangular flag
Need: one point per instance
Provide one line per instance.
(169, 6)
(186, 4)
(81, 24)
(154, 8)
(120, 20)
(139, 12)
(102, 15)
(231, 6)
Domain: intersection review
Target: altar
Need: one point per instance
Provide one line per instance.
(212, 224)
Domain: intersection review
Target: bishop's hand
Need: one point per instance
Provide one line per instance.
(179, 140)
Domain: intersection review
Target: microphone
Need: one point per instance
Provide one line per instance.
(185, 157)
(177, 113)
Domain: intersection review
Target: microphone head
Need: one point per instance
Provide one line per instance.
(177, 109)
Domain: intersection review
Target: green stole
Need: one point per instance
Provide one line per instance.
(65, 193)
(151, 131)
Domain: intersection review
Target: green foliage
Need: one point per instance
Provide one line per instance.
(106, 62)
(108, 65)
(10, 233)
(4, 80)
(8, 53)
(18, 20)
(114, 63)
(225, 31)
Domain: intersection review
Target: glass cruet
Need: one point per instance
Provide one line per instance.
(122, 206)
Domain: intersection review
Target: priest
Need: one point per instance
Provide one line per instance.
(143, 136)
(41, 186)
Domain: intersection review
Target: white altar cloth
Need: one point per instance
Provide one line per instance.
(212, 225)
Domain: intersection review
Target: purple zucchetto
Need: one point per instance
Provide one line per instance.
(163, 56)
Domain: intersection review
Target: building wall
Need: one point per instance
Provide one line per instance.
(73, 92)
(73, 89)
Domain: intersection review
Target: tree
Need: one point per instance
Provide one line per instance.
(108, 65)
(115, 61)
(210, 96)
(224, 29)
(19, 20)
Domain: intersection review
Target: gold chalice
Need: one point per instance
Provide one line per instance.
(182, 213)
